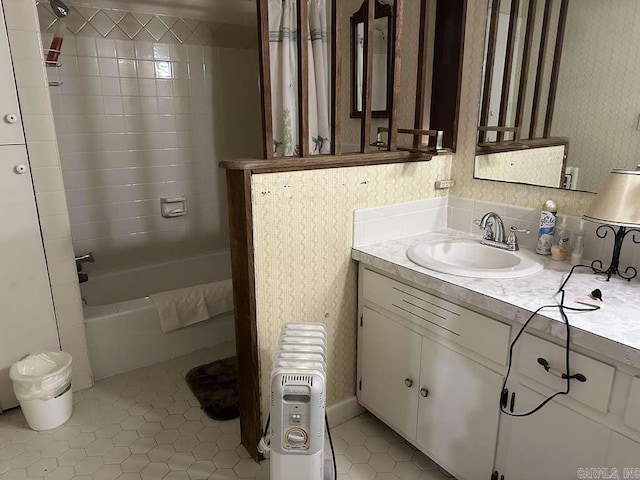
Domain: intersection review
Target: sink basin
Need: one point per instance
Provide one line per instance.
(469, 258)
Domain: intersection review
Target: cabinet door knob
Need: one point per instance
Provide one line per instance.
(424, 392)
(21, 168)
(408, 382)
(11, 118)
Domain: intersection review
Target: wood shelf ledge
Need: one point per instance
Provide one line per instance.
(500, 147)
(319, 162)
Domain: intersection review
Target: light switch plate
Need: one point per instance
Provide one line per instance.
(444, 184)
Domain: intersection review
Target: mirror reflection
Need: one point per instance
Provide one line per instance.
(381, 60)
(560, 92)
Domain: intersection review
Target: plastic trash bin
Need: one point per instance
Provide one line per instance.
(42, 384)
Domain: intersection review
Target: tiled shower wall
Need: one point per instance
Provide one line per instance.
(138, 120)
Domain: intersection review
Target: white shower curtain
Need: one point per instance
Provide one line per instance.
(284, 77)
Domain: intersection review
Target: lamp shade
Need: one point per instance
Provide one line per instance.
(618, 202)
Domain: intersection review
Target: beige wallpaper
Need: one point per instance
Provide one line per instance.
(540, 166)
(303, 238)
(574, 203)
(598, 97)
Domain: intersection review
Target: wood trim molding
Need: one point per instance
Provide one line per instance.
(494, 147)
(244, 302)
(319, 162)
(542, 55)
(265, 78)
(508, 67)
(555, 69)
(336, 78)
(488, 68)
(367, 78)
(303, 78)
(526, 59)
(396, 65)
(421, 78)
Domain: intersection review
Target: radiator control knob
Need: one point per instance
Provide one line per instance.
(296, 438)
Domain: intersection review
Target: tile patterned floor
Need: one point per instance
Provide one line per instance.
(146, 425)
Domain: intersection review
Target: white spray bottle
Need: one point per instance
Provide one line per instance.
(547, 227)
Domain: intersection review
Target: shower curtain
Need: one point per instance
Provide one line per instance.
(284, 77)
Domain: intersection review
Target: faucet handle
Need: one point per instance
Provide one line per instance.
(488, 229)
(512, 240)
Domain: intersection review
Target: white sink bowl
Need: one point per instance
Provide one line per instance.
(469, 258)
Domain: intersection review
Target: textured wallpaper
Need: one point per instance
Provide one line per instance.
(574, 203)
(598, 96)
(303, 233)
(541, 166)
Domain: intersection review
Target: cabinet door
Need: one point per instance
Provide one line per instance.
(10, 124)
(458, 417)
(553, 443)
(27, 322)
(390, 371)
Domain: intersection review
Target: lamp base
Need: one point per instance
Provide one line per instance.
(629, 273)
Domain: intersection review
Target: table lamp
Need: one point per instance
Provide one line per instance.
(617, 204)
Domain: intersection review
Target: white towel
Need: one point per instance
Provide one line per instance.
(186, 306)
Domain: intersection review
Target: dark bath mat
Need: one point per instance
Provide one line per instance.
(215, 385)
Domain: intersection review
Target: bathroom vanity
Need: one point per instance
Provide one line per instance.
(433, 351)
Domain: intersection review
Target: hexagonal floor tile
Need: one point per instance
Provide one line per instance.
(146, 425)
(226, 459)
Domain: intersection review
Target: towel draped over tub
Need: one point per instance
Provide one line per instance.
(186, 306)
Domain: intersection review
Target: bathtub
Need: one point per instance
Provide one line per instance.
(122, 323)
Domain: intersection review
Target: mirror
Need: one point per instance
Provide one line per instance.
(559, 105)
(381, 59)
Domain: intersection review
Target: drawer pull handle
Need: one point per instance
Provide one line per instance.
(557, 373)
(408, 382)
(424, 392)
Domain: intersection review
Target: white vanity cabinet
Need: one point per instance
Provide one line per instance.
(458, 413)
(10, 125)
(439, 399)
(390, 371)
(553, 442)
(433, 371)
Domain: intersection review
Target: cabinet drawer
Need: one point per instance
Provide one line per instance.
(476, 332)
(594, 392)
(632, 415)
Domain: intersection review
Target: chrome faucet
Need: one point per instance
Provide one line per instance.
(87, 258)
(487, 222)
(497, 238)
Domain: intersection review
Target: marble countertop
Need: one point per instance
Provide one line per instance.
(612, 331)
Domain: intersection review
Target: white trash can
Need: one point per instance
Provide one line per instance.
(42, 384)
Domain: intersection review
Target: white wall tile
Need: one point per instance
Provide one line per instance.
(47, 179)
(528, 218)
(128, 135)
(55, 227)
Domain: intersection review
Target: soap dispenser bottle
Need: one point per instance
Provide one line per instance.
(561, 240)
(578, 246)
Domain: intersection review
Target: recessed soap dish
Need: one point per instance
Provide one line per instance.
(173, 206)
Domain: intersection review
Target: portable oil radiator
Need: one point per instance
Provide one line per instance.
(298, 396)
